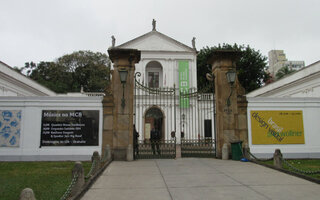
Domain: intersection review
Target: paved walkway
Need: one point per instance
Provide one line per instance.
(196, 178)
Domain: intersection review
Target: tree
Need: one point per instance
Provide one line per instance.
(28, 67)
(53, 76)
(69, 72)
(250, 67)
(88, 69)
(283, 72)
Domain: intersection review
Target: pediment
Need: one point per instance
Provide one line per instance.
(156, 41)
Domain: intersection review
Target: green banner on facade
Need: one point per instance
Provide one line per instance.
(184, 83)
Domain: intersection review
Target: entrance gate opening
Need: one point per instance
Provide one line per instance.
(154, 119)
(185, 118)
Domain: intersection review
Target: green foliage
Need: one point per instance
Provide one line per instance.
(48, 180)
(53, 76)
(29, 67)
(283, 72)
(250, 67)
(69, 72)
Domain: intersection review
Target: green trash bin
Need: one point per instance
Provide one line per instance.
(236, 150)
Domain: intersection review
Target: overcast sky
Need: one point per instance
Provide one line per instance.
(43, 30)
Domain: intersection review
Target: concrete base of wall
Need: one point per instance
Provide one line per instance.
(120, 154)
(289, 155)
(47, 158)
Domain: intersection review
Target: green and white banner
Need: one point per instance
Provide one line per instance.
(184, 83)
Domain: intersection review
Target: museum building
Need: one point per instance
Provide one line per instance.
(166, 95)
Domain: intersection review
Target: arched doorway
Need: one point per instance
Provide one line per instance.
(154, 118)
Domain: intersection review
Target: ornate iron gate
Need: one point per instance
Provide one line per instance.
(154, 108)
(156, 150)
(197, 123)
(198, 147)
(185, 117)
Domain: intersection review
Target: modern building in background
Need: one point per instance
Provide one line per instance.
(277, 60)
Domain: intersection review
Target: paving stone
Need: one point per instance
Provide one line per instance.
(197, 178)
(289, 192)
(125, 194)
(216, 193)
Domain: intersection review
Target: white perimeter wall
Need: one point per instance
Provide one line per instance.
(311, 122)
(31, 108)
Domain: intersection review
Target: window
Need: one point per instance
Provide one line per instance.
(154, 74)
(153, 79)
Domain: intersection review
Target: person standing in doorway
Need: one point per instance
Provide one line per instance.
(155, 140)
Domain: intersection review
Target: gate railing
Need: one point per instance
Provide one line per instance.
(189, 112)
(162, 99)
(197, 112)
(197, 147)
(157, 149)
(150, 90)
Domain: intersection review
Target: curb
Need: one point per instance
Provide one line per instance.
(90, 182)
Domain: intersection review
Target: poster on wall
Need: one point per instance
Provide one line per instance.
(10, 127)
(277, 127)
(184, 83)
(70, 128)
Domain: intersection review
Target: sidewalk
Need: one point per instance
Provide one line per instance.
(197, 178)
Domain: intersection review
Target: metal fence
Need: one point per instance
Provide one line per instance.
(198, 148)
(155, 150)
(177, 114)
(196, 114)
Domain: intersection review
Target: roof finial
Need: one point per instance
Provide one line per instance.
(113, 41)
(193, 43)
(154, 24)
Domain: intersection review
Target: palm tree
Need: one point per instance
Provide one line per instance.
(283, 72)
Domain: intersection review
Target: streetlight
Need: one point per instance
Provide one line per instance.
(123, 73)
(231, 78)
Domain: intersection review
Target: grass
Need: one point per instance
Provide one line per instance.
(303, 164)
(49, 180)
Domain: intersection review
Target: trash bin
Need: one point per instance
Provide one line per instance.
(236, 150)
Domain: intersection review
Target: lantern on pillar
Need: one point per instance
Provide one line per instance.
(123, 73)
(231, 78)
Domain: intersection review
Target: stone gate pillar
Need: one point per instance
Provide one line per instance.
(231, 104)
(118, 104)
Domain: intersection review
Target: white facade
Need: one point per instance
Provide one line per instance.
(23, 96)
(299, 91)
(28, 148)
(310, 108)
(303, 83)
(160, 57)
(164, 53)
(13, 83)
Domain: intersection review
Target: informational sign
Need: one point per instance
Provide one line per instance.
(10, 128)
(277, 127)
(70, 128)
(184, 83)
